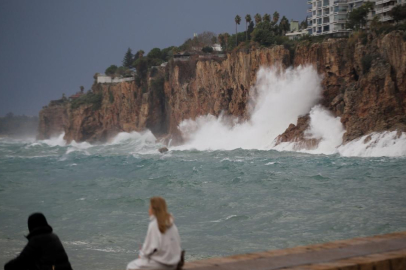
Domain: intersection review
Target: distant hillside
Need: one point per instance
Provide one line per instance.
(18, 126)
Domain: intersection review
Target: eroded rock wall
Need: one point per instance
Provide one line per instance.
(368, 98)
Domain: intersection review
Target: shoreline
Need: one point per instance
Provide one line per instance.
(380, 252)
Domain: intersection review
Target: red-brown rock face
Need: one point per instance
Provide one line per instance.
(367, 101)
(53, 120)
(364, 84)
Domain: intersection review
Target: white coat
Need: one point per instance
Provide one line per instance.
(160, 250)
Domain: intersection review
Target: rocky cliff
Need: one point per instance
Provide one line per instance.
(363, 83)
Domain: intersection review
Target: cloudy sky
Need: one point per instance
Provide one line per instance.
(50, 47)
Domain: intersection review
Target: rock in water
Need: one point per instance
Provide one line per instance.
(163, 150)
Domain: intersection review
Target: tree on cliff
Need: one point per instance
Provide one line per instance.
(398, 13)
(357, 18)
(111, 70)
(247, 21)
(137, 55)
(303, 24)
(128, 59)
(275, 17)
(257, 18)
(264, 33)
(220, 39)
(226, 37)
(266, 18)
(237, 22)
(284, 26)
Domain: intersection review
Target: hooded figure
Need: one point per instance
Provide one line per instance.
(44, 250)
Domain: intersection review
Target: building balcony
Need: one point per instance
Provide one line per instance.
(309, 2)
(386, 9)
(309, 10)
(386, 18)
(341, 30)
(337, 2)
(378, 11)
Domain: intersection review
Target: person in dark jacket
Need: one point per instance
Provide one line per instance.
(44, 250)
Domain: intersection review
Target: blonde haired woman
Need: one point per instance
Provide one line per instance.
(161, 248)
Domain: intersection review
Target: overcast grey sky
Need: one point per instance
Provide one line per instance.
(50, 47)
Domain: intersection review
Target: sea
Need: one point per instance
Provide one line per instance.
(231, 188)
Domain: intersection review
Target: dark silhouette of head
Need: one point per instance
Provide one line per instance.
(37, 220)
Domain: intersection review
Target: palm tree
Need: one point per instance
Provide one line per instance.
(82, 89)
(275, 17)
(237, 21)
(257, 18)
(247, 21)
(266, 18)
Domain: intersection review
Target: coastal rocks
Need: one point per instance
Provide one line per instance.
(296, 134)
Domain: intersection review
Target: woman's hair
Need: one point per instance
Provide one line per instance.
(160, 211)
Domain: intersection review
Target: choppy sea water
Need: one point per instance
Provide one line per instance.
(224, 202)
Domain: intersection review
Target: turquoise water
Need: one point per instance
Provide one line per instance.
(224, 202)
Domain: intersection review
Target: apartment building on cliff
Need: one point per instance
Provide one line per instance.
(329, 17)
(382, 7)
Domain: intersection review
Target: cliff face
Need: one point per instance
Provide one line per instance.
(363, 83)
(53, 120)
(124, 108)
(210, 87)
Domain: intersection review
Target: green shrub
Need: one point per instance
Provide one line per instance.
(89, 98)
(364, 38)
(207, 49)
(157, 85)
(366, 62)
(111, 70)
(111, 97)
(153, 72)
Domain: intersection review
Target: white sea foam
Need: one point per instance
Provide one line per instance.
(145, 137)
(137, 142)
(390, 144)
(278, 98)
(323, 127)
(55, 141)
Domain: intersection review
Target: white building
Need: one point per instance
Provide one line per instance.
(102, 78)
(382, 7)
(330, 16)
(297, 34)
(217, 47)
